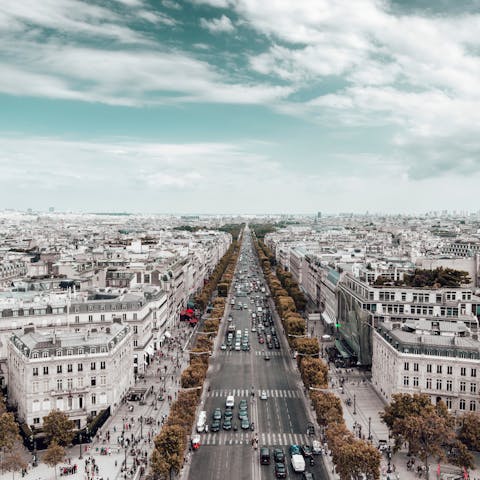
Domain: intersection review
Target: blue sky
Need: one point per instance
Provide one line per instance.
(204, 106)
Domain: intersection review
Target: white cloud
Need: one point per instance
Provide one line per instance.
(213, 3)
(156, 18)
(171, 4)
(216, 25)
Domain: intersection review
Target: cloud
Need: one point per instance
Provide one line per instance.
(217, 25)
(171, 4)
(156, 18)
(213, 3)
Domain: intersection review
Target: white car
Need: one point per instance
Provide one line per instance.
(263, 395)
(223, 347)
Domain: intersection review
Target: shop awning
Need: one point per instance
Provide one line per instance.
(168, 335)
(341, 349)
(327, 318)
(150, 350)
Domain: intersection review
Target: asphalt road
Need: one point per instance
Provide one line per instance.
(279, 421)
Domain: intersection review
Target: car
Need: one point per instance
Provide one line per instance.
(277, 345)
(238, 346)
(215, 426)
(310, 428)
(229, 342)
(317, 447)
(263, 395)
(269, 345)
(254, 329)
(223, 347)
(294, 450)
(280, 470)
(227, 424)
(243, 414)
(279, 455)
(308, 476)
(230, 401)
(217, 414)
(245, 423)
(261, 340)
(306, 451)
(245, 347)
(265, 456)
(243, 403)
(228, 413)
(266, 357)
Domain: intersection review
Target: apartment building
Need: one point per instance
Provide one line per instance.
(76, 372)
(440, 359)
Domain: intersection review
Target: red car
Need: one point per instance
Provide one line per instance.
(261, 340)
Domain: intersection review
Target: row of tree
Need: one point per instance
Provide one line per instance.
(431, 431)
(353, 458)
(170, 444)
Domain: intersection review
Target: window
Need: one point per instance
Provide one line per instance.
(35, 386)
(474, 372)
(473, 405)
(439, 369)
(69, 368)
(36, 421)
(135, 330)
(93, 350)
(134, 316)
(124, 316)
(77, 318)
(94, 399)
(35, 355)
(406, 365)
(80, 382)
(429, 368)
(439, 384)
(463, 386)
(449, 370)
(448, 402)
(102, 317)
(80, 351)
(473, 388)
(103, 380)
(93, 381)
(415, 367)
(69, 383)
(405, 381)
(102, 365)
(449, 385)
(93, 366)
(70, 352)
(135, 343)
(45, 354)
(59, 369)
(45, 370)
(59, 384)
(35, 371)
(415, 381)
(80, 367)
(461, 404)
(463, 371)
(428, 383)
(90, 318)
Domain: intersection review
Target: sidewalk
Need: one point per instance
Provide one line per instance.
(139, 435)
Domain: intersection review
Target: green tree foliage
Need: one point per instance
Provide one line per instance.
(54, 455)
(58, 428)
(469, 432)
(439, 277)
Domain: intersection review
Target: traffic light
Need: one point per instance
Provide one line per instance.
(338, 325)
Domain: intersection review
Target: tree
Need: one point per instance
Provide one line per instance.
(404, 405)
(357, 459)
(460, 456)
(328, 408)
(170, 445)
(426, 435)
(307, 346)
(8, 431)
(13, 461)
(54, 454)
(469, 433)
(58, 427)
(314, 372)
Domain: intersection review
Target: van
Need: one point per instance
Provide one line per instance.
(298, 463)
(202, 421)
(230, 402)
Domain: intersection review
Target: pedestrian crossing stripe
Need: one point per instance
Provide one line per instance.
(264, 439)
(245, 392)
(274, 353)
(258, 353)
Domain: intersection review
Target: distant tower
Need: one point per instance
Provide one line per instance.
(51, 209)
(319, 215)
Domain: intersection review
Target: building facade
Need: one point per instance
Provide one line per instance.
(76, 373)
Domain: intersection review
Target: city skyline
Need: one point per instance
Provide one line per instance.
(204, 106)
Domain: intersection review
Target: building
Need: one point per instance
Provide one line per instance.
(441, 359)
(77, 373)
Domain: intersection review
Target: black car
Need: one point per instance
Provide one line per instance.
(269, 345)
(265, 456)
(279, 455)
(280, 470)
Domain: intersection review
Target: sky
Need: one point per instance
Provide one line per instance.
(240, 106)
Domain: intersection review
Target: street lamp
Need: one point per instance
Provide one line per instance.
(80, 445)
(141, 426)
(354, 404)
(34, 444)
(369, 428)
(389, 455)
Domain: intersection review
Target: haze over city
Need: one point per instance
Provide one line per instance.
(239, 106)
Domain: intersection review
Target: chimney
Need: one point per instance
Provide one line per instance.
(29, 329)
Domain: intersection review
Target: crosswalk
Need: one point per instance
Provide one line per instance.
(244, 438)
(245, 392)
